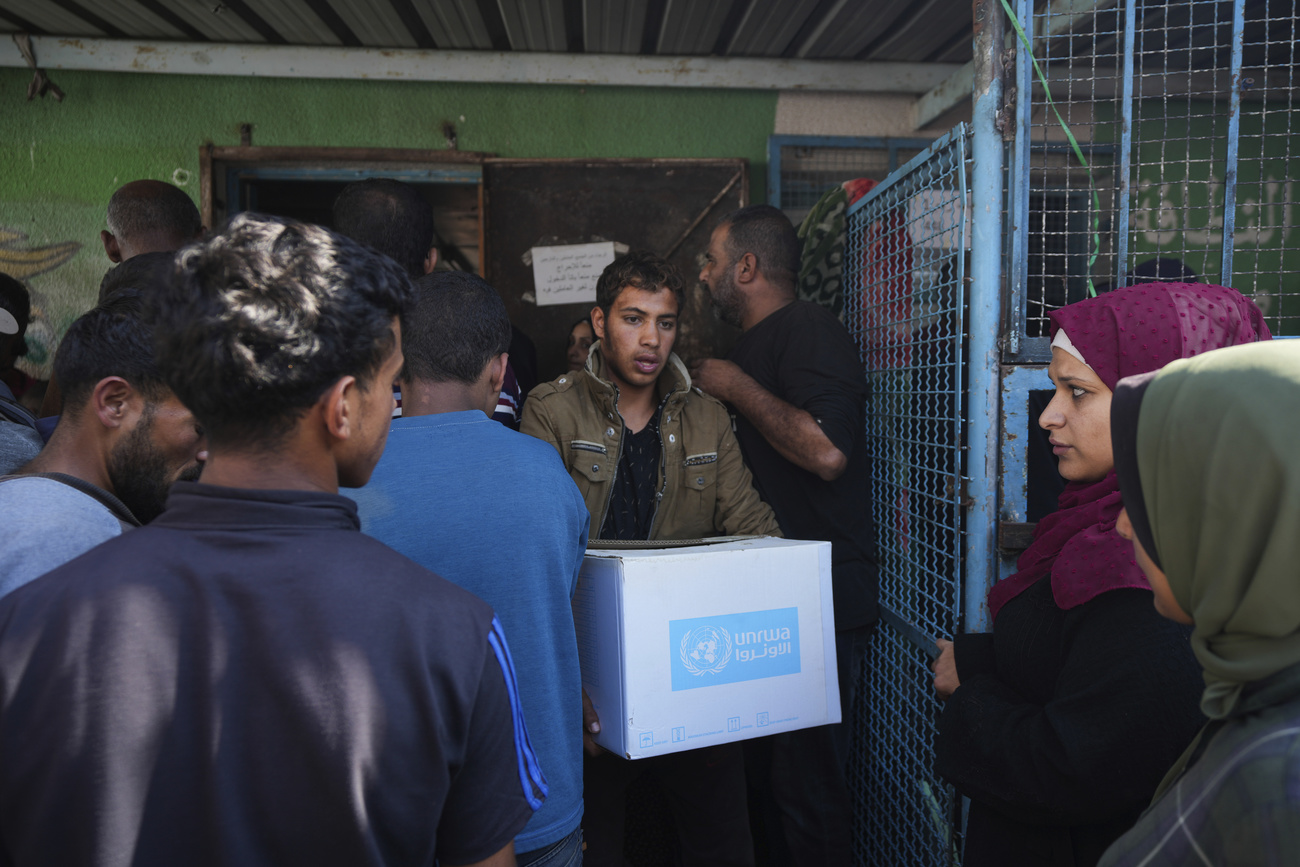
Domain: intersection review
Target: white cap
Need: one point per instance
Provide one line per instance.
(8, 324)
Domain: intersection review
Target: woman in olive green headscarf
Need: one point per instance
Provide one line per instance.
(1208, 457)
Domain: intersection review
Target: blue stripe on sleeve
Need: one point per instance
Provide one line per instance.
(530, 771)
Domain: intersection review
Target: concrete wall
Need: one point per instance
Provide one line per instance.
(59, 162)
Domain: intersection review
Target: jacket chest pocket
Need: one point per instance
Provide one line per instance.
(700, 489)
(591, 461)
(700, 472)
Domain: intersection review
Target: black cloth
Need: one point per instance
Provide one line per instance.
(1064, 724)
(705, 793)
(523, 357)
(251, 681)
(634, 495)
(804, 356)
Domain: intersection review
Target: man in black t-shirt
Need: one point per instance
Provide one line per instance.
(799, 397)
(248, 680)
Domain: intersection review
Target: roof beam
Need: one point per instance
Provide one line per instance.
(1061, 17)
(291, 61)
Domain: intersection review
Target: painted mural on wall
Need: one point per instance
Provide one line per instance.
(24, 261)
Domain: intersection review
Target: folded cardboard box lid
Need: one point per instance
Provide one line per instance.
(686, 647)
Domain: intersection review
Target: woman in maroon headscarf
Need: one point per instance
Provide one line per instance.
(1061, 722)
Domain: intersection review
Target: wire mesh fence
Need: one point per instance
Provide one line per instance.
(906, 251)
(807, 167)
(1266, 236)
(1183, 112)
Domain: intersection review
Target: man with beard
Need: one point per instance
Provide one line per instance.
(123, 439)
(799, 394)
(653, 459)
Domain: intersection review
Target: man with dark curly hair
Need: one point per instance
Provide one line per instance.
(250, 680)
(653, 458)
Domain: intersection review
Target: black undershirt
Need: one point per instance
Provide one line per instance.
(636, 482)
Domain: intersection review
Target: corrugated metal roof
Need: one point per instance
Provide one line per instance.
(900, 30)
(769, 30)
(613, 26)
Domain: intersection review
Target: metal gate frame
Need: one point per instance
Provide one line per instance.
(907, 815)
(915, 317)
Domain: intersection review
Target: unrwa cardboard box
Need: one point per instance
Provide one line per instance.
(682, 648)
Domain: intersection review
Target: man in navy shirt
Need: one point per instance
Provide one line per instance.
(446, 466)
(249, 680)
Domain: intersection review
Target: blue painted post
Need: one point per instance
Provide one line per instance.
(1018, 262)
(1126, 143)
(773, 171)
(985, 309)
(1234, 132)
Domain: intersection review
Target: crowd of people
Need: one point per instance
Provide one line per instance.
(291, 542)
(237, 674)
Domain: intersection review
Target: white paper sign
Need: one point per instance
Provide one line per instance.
(568, 274)
(932, 218)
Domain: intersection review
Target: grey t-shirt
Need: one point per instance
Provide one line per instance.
(46, 524)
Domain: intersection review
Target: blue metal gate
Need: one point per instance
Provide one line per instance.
(906, 252)
(1136, 133)
(1166, 148)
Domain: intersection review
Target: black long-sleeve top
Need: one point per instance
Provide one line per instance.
(1064, 724)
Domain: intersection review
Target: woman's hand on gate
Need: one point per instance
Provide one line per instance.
(945, 670)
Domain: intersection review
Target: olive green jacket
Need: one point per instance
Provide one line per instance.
(705, 489)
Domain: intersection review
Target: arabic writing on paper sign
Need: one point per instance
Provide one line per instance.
(568, 274)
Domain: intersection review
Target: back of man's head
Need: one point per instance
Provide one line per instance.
(114, 339)
(265, 316)
(453, 327)
(640, 269)
(146, 274)
(147, 216)
(388, 216)
(766, 232)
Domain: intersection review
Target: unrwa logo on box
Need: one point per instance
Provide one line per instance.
(730, 648)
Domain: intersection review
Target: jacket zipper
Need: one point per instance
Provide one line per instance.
(618, 456)
(663, 469)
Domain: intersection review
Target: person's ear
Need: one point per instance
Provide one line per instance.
(431, 260)
(494, 381)
(116, 403)
(499, 371)
(110, 245)
(598, 322)
(746, 268)
(339, 408)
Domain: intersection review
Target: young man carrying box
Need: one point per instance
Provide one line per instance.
(654, 459)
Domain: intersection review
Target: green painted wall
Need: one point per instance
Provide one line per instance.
(1177, 207)
(59, 162)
